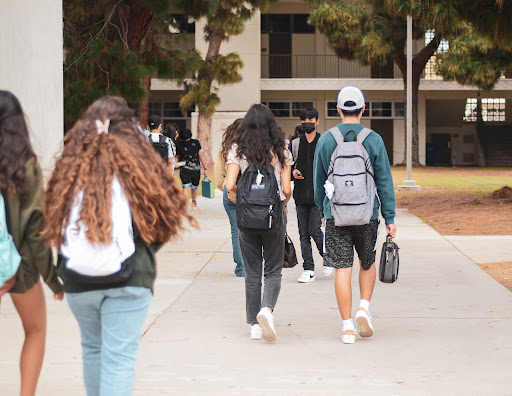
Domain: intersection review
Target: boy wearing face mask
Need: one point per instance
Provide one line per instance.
(308, 215)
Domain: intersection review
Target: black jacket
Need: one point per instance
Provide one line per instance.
(303, 189)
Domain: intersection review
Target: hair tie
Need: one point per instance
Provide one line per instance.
(102, 127)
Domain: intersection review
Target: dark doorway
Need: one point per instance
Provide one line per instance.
(383, 71)
(280, 59)
(385, 129)
(441, 143)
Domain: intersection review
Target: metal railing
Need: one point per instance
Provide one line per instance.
(320, 66)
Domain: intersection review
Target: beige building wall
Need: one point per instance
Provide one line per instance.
(31, 59)
(237, 98)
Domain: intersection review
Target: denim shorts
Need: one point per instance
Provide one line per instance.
(340, 243)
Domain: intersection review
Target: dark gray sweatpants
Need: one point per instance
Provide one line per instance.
(256, 247)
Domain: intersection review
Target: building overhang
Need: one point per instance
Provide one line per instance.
(367, 84)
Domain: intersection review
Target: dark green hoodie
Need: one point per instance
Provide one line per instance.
(374, 145)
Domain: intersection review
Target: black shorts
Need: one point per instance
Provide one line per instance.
(190, 178)
(340, 243)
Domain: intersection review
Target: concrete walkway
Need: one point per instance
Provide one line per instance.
(443, 328)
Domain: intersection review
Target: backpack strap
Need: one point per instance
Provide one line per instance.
(295, 149)
(336, 134)
(162, 139)
(3, 221)
(363, 134)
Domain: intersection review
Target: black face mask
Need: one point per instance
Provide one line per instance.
(308, 127)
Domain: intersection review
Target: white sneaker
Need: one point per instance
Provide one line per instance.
(307, 276)
(266, 321)
(256, 332)
(348, 336)
(327, 270)
(364, 320)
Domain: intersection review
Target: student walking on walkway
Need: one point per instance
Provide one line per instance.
(21, 184)
(109, 205)
(341, 240)
(308, 217)
(261, 146)
(229, 204)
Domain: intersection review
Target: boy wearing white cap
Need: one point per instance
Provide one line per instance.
(340, 241)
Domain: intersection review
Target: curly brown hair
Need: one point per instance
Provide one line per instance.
(229, 138)
(90, 160)
(15, 146)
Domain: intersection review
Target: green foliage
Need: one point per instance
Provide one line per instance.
(224, 18)
(99, 60)
(473, 59)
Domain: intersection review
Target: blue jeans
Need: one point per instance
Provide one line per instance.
(111, 323)
(230, 208)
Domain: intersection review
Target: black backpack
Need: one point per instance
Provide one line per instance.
(161, 147)
(258, 204)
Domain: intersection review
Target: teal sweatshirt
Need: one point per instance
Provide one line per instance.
(374, 145)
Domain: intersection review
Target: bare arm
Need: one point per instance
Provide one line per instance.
(202, 159)
(231, 176)
(286, 182)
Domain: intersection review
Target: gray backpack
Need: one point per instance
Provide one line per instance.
(350, 171)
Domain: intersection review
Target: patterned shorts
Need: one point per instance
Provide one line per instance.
(340, 243)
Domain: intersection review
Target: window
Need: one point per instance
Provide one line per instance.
(287, 109)
(301, 24)
(493, 110)
(430, 73)
(381, 109)
(179, 24)
(168, 110)
(286, 23)
(372, 110)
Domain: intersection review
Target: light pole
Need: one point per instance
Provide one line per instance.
(409, 184)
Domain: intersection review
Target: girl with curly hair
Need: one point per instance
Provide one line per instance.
(260, 141)
(21, 185)
(229, 205)
(107, 180)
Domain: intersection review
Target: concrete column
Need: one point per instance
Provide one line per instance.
(31, 58)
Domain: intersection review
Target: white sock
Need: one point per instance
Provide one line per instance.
(365, 304)
(348, 324)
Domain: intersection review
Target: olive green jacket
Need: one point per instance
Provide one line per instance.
(25, 222)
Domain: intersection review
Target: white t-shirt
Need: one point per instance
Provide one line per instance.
(232, 158)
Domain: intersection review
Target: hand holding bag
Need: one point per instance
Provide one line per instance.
(10, 259)
(389, 261)
(290, 256)
(207, 188)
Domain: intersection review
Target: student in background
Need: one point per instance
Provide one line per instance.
(189, 150)
(21, 184)
(229, 205)
(308, 216)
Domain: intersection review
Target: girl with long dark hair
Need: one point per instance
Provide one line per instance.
(110, 196)
(229, 206)
(21, 184)
(260, 141)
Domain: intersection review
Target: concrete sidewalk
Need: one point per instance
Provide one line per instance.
(443, 328)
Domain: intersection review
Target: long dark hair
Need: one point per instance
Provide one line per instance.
(229, 137)
(89, 162)
(259, 137)
(15, 146)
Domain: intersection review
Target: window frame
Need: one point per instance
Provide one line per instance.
(368, 110)
(290, 106)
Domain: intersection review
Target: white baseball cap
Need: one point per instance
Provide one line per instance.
(350, 98)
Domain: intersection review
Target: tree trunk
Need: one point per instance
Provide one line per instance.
(138, 21)
(204, 127)
(204, 123)
(144, 103)
(418, 65)
(480, 129)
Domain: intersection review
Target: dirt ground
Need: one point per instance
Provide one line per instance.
(457, 213)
